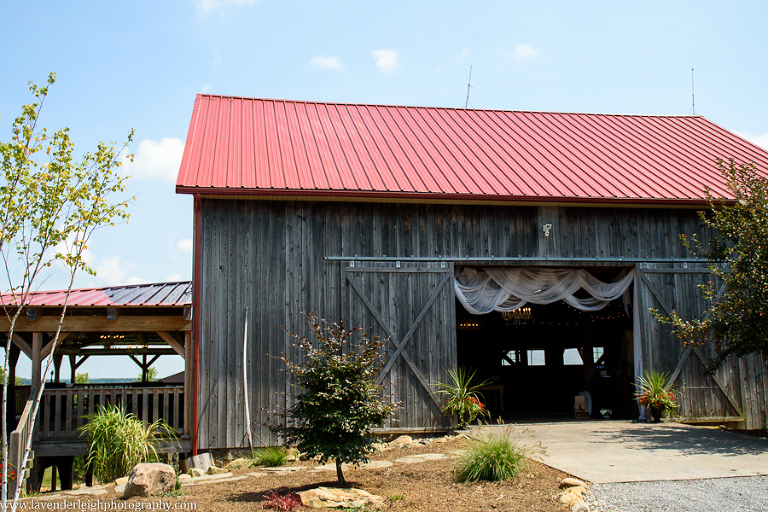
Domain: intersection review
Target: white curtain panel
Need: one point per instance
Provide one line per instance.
(484, 290)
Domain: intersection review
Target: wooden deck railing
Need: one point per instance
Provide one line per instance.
(63, 411)
(18, 441)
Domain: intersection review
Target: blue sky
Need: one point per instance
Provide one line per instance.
(139, 64)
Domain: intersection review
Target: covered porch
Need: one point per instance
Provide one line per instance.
(142, 322)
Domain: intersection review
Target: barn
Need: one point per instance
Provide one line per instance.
(526, 246)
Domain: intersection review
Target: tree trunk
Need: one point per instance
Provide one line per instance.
(339, 473)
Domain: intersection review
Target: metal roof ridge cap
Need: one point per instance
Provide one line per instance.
(432, 107)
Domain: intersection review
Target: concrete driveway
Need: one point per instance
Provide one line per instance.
(621, 451)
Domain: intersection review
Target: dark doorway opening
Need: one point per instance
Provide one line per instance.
(537, 361)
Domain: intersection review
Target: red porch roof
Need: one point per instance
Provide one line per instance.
(249, 146)
(156, 294)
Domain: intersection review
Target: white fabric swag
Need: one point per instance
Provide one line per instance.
(507, 289)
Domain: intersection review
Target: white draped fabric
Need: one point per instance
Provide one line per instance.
(506, 289)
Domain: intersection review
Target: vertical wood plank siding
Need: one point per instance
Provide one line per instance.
(268, 256)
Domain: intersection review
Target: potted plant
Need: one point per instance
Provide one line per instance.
(463, 399)
(654, 392)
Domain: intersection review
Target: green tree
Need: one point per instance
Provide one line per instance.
(82, 378)
(50, 205)
(736, 319)
(340, 403)
(151, 375)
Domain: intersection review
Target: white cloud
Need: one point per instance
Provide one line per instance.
(464, 53)
(205, 7)
(526, 52)
(185, 245)
(325, 62)
(205, 89)
(113, 271)
(171, 278)
(386, 60)
(761, 140)
(157, 160)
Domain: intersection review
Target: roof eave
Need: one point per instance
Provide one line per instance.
(372, 195)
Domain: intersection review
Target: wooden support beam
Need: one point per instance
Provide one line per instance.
(23, 345)
(12, 360)
(160, 351)
(188, 369)
(37, 359)
(57, 367)
(33, 314)
(74, 323)
(49, 346)
(172, 342)
(188, 313)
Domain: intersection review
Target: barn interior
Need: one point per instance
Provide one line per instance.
(535, 360)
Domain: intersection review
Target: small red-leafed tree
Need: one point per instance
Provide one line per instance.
(50, 205)
(340, 403)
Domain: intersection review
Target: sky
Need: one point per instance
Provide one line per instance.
(138, 65)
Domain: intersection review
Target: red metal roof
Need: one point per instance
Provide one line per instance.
(157, 294)
(250, 146)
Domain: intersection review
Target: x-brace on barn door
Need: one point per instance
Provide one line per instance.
(413, 306)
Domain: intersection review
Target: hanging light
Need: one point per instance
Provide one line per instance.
(518, 316)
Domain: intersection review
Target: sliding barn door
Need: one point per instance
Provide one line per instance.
(412, 305)
(704, 397)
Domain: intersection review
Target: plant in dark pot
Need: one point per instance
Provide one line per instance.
(655, 392)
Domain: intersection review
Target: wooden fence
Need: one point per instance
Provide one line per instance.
(63, 411)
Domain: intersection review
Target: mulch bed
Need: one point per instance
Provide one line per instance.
(420, 487)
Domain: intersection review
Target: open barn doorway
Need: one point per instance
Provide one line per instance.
(539, 356)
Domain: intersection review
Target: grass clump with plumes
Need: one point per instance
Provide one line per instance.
(496, 456)
(117, 441)
(272, 456)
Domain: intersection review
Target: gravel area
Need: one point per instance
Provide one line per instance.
(745, 494)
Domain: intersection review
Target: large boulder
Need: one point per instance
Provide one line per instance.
(331, 497)
(150, 479)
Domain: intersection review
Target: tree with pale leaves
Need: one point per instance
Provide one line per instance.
(50, 205)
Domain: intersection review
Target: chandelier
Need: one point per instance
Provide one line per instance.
(518, 316)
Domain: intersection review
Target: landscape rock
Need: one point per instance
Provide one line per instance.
(413, 459)
(185, 476)
(240, 463)
(573, 482)
(401, 441)
(573, 496)
(580, 507)
(329, 497)
(213, 470)
(121, 481)
(150, 479)
(201, 461)
(195, 472)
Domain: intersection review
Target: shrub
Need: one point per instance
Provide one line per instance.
(340, 403)
(289, 501)
(272, 456)
(118, 441)
(494, 457)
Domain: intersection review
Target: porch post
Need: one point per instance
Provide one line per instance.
(37, 360)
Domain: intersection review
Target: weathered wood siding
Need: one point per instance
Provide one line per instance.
(269, 257)
(738, 388)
